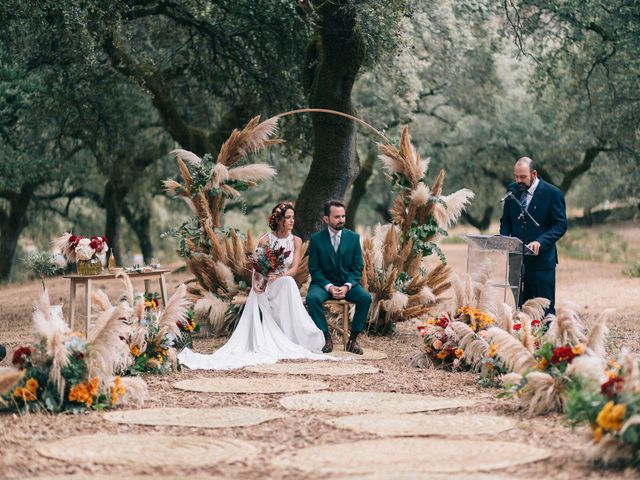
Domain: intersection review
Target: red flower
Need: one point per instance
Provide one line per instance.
(535, 323)
(612, 387)
(73, 239)
(20, 356)
(562, 354)
(517, 326)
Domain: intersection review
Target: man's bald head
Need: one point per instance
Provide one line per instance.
(524, 172)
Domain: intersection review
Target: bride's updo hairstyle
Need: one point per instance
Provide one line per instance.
(278, 214)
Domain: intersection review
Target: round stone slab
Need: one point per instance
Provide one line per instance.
(335, 369)
(120, 477)
(389, 456)
(147, 450)
(249, 385)
(374, 402)
(196, 417)
(367, 355)
(421, 424)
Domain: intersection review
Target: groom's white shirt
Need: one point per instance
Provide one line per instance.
(335, 236)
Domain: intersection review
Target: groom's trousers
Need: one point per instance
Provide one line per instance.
(358, 295)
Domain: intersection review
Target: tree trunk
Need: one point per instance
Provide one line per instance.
(359, 189)
(140, 224)
(480, 223)
(334, 56)
(114, 203)
(11, 226)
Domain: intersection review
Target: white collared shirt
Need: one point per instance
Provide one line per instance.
(531, 190)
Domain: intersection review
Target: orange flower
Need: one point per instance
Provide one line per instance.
(458, 352)
(578, 349)
(437, 344)
(542, 364)
(135, 350)
(81, 392)
(24, 394)
(492, 350)
(117, 390)
(597, 435)
(442, 354)
(32, 385)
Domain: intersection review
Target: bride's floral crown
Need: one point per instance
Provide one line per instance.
(277, 214)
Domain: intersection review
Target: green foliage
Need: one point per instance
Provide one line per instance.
(42, 265)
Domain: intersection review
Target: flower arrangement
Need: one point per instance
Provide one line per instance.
(268, 259)
(540, 377)
(76, 247)
(63, 371)
(611, 407)
(188, 326)
(158, 332)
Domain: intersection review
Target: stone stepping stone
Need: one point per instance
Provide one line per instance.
(147, 450)
(367, 355)
(249, 385)
(421, 424)
(196, 417)
(120, 477)
(371, 402)
(335, 369)
(420, 455)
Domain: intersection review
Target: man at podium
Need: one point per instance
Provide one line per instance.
(534, 211)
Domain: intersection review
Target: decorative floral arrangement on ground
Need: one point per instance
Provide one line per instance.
(457, 337)
(63, 371)
(158, 332)
(76, 247)
(541, 376)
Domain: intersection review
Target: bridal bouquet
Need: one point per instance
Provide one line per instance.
(76, 247)
(268, 259)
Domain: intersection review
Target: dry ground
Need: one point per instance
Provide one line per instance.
(592, 285)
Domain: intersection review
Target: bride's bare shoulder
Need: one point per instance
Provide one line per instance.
(264, 239)
(297, 240)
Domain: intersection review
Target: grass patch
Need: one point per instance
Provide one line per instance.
(633, 270)
(600, 245)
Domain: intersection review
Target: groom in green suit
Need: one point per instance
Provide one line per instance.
(335, 265)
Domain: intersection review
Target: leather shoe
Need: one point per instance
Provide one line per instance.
(328, 344)
(354, 347)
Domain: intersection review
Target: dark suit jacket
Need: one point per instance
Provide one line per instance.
(327, 266)
(548, 208)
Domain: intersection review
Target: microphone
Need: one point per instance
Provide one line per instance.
(507, 195)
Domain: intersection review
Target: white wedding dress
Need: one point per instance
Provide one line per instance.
(285, 331)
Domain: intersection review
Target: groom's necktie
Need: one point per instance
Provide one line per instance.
(335, 240)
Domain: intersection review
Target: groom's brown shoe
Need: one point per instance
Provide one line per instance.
(354, 347)
(328, 343)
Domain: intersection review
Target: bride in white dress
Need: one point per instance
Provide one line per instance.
(274, 324)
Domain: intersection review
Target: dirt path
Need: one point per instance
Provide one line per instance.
(592, 285)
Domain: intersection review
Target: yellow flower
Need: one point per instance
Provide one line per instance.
(578, 349)
(442, 354)
(611, 416)
(597, 435)
(32, 385)
(135, 350)
(431, 321)
(458, 352)
(610, 374)
(24, 394)
(93, 386)
(542, 364)
(81, 393)
(492, 350)
(117, 390)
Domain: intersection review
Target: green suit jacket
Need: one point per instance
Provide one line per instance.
(328, 266)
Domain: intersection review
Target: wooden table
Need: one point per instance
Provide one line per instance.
(88, 280)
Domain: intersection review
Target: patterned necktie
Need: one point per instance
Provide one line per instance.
(523, 199)
(336, 242)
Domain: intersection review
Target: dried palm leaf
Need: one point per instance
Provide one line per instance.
(420, 195)
(128, 287)
(9, 377)
(534, 308)
(566, 327)
(171, 187)
(187, 156)
(100, 301)
(589, 368)
(542, 393)
(630, 372)
(504, 317)
(515, 356)
(257, 172)
(107, 352)
(211, 309)
(175, 311)
(510, 379)
(251, 138)
(475, 348)
(454, 205)
(135, 391)
(396, 303)
(596, 340)
(609, 451)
